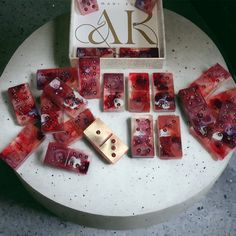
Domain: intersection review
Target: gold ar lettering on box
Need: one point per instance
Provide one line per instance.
(105, 21)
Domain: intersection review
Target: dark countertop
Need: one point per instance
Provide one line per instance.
(214, 215)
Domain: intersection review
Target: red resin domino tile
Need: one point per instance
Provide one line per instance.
(169, 137)
(198, 114)
(138, 52)
(227, 121)
(142, 136)
(113, 93)
(73, 128)
(106, 52)
(139, 92)
(67, 75)
(220, 140)
(211, 79)
(86, 52)
(87, 6)
(23, 104)
(163, 92)
(60, 156)
(96, 52)
(51, 116)
(84, 119)
(65, 97)
(215, 102)
(145, 5)
(70, 134)
(29, 138)
(213, 143)
(89, 77)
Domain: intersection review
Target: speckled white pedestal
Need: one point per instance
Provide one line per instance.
(133, 192)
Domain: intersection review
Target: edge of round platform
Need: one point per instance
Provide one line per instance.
(129, 221)
(112, 222)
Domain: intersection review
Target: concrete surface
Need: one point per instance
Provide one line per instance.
(20, 214)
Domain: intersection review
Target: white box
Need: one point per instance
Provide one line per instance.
(118, 24)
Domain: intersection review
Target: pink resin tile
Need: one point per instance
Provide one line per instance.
(113, 149)
(142, 136)
(198, 114)
(163, 92)
(215, 102)
(23, 104)
(89, 82)
(102, 138)
(169, 137)
(138, 92)
(138, 52)
(51, 116)
(211, 79)
(87, 6)
(67, 75)
(63, 96)
(22, 146)
(145, 5)
(113, 93)
(58, 155)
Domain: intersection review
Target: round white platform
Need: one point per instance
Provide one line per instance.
(133, 192)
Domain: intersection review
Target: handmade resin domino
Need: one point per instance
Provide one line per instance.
(84, 119)
(67, 75)
(97, 133)
(23, 104)
(51, 116)
(227, 121)
(169, 137)
(215, 102)
(113, 149)
(113, 92)
(142, 136)
(87, 6)
(145, 5)
(60, 156)
(95, 52)
(65, 97)
(138, 92)
(221, 138)
(138, 52)
(86, 52)
(29, 138)
(89, 74)
(198, 114)
(73, 128)
(211, 79)
(163, 92)
(213, 142)
(105, 141)
(106, 52)
(71, 133)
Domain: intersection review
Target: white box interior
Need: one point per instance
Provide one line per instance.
(118, 24)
